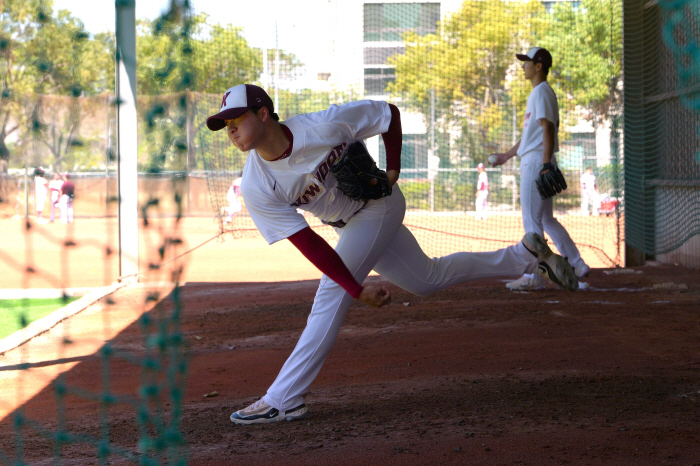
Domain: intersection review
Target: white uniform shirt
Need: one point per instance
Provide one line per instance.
(542, 103)
(55, 188)
(483, 182)
(234, 191)
(588, 182)
(273, 191)
(40, 189)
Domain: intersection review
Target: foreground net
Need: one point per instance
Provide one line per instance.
(64, 114)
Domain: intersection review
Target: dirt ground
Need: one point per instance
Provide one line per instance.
(472, 375)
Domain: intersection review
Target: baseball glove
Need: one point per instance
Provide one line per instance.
(550, 182)
(358, 176)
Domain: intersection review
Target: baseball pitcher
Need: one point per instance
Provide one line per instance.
(317, 162)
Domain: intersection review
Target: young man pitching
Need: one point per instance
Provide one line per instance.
(288, 168)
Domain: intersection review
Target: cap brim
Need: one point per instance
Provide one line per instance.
(217, 122)
(523, 57)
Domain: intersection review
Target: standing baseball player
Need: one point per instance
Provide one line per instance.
(234, 201)
(289, 167)
(589, 192)
(40, 192)
(536, 149)
(55, 194)
(65, 203)
(482, 192)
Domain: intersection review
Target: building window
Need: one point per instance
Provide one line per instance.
(387, 21)
(549, 5)
(376, 79)
(380, 55)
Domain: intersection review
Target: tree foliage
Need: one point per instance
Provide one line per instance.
(44, 52)
(588, 44)
(466, 63)
(470, 65)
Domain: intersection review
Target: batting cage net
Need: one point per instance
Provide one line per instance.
(627, 147)
(451, 69)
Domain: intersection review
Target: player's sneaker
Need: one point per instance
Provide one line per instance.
(582, 271)
(551, 266)
(527, 282)
(261, 413)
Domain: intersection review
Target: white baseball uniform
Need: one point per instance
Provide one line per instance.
(55, 189)
(588, 193)
(233, 198)
(374, 236)
(40, 191)
(482, 185)
(538, 215)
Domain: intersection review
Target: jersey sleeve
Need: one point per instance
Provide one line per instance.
(356, 120)
(275, 220)
(273, 217)
(546, 106)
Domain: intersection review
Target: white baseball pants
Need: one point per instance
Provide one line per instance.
(375, 238)
(481, 205)
(538, 214)
(589, 198)
(65, 206)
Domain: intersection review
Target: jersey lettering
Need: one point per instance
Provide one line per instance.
(321, 174)
(309, 194)
(324, 169)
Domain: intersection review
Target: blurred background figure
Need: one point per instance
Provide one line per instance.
(482, 192)
(40, 191)
(234, 202)
(65, 204)
(55, 194)
(589, 193)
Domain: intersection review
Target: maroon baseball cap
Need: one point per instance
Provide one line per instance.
(537, 55)
(238, 100)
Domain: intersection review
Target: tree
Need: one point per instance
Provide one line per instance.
(45, 53)
(587, 41)
(21, 24)
(180, 61)
(466, 63)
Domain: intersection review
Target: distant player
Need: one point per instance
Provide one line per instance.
(539, 143)
(234, 201)
(288, 167)
(482, 192)
(65, 204)
(589, 192)
(40, 191)
(55, 194)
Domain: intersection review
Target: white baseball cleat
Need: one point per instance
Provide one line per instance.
(262, 413)
(551, 267)
(527, 282)
(583, 271)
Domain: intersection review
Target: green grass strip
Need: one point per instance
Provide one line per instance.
(12, 310)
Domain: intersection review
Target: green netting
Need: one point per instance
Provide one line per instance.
(454, 76)
(58, 111)
(677, 209)
(661, 129)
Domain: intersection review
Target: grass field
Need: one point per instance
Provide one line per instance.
(33, 309)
